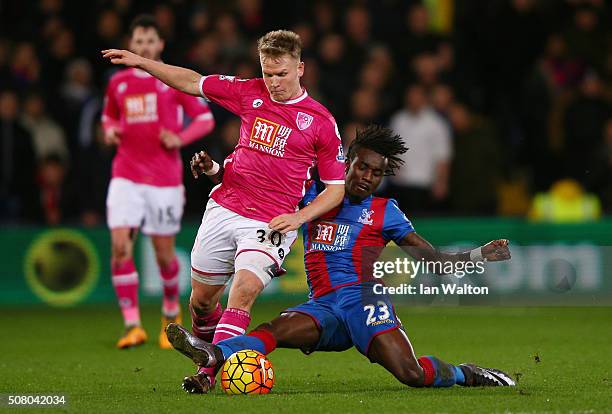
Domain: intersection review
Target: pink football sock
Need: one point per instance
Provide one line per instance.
(170, 282)
(125, 282)
(234, 322)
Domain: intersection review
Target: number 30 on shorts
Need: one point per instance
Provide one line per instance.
(274, 237)
(381, 308)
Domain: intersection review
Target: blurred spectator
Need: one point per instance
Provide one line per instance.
(558, 69)
(204, 55)
(107, 35)
(306, 33)
(75, 93)
(231, 43)
(476, 167)
(545, 95)
(336, 81)
(17, 159)
(25, 67)
(311, 80)
(52, 201)
(324, 16)
(48, 137)
(425, 67)
(377, 81)
(357, 28)
(365, 107)
(583, 122)
(422, 183)
(381, 57)
(199, 22)
(250, 17)
(108, 31)
(94, 166)
(586, 40)
(59, 54)
(164, 15)
(5, 71)
(566, 202)
(418, 39)
(441, 98)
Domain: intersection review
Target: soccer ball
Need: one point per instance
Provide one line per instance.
(247, 372)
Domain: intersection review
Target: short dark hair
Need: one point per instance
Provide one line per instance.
(382, 141)
(146, 21)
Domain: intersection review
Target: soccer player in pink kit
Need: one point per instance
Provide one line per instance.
(144, 118)
(251, 219)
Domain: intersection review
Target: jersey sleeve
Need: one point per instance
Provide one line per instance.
(195, 107)
(330, 154)
(110, 111)
(223, 90)
(396, 225)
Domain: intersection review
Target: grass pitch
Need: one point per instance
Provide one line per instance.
(562, 356)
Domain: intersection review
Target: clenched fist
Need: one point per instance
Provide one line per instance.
(200, 163)
(496, 251)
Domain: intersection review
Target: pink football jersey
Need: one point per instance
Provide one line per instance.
(140, 105)
(279, 144)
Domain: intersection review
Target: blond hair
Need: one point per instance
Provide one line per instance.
(280, 42)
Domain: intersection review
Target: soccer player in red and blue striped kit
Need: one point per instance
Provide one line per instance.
(344, 310)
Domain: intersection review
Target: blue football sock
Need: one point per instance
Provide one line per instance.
(439, 373)
(240, 342)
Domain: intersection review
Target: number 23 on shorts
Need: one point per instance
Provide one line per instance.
(382, 314)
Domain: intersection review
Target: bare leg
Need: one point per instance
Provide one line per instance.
(393, 351)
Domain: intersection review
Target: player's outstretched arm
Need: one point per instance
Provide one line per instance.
(183, 79)
(202, 163)
(419, 248)
(325, 201)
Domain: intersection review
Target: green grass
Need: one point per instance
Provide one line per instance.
(71, 352)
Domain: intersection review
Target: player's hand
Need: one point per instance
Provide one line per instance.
(496, 250)
(286, 222)
(169, 139)
(112, 136)
(122, 57)
(200, 163)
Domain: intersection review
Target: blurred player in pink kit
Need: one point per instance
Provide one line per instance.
(144, 118)
(251, 219)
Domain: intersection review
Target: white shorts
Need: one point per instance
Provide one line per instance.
(158, 210)
(228, 242)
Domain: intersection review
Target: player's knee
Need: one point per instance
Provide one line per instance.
(202, 305)
(411, 376)
(120, 251)
(165, 260)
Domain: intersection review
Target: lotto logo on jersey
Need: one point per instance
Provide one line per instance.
(269, 137)
(141, 108)
(329, 236)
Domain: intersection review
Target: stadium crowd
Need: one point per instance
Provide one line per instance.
(497, 100)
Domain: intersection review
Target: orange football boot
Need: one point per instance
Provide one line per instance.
(133, 336)
(165, 320)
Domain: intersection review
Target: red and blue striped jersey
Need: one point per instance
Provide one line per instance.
(341, 246)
